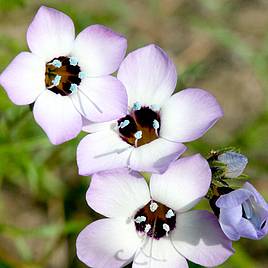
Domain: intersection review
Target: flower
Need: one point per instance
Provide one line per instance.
(152, 226)
(148, 138)
(67, 77)
(235, 163)
(243, 213)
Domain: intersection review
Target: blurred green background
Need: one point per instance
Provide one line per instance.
(221, 46)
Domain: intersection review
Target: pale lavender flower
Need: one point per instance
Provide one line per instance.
(243, 213)
(152, 226)
(149, 137)
(67, 77)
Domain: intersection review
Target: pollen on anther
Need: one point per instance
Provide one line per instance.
(153, 206)
(56, 63)
(156, 124)
(140, 219)
(73, 88)
(155, 107)
(82, 75)
(147, 228)
(56, 80)
(136, 106)
(73, 61)
(166, 228)
(138, 135)
(124, 123)
(170, 214)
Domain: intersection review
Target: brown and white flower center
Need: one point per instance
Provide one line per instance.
(155, 220)
(141, 126)
(63, 75)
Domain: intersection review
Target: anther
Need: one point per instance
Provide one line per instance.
(124, 123)
(138, 135)
(147, 228)
(56, 63)
(136, 106)
(166, 228)
(155, 107)
(153, 206)
(73, 88)
(170, 214)
(56, 80)
(73, 61)
(82, 75)
(140, 219)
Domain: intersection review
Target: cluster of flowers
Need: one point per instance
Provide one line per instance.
(136, 125)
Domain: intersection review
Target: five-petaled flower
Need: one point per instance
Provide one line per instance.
(148, 138)
(67, 77)
(243, 213)
(152, 226)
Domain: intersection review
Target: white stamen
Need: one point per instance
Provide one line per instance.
(56, 80)
(124, 123)
(138, 135)
(156, 124)
(170, 214)
(73, 88)
(136, 106)
(82, 75)
(147, 228)
(166, 228)
(153, 206)
(155, 107)
(56, 63)
(140, 219)
(73, 61)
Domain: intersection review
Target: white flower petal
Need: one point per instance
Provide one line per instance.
(155, 156)
(117, 193)
(57, 116)
(51, 34)
(24, 78)
(183, 185)
(149, 76)
(158, 254)
(188, 114)
(108, 243)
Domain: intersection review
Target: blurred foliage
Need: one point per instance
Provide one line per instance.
(221, 46)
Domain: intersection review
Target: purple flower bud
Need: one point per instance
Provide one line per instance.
(243, 213)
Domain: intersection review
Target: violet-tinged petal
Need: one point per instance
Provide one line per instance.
(101, 151)
(185, 182)
(51, 34)
(188, 114)
(117, 193)
(101, 99)
(155, 156)
(99, 50)
(57, 117)
(199, 238)
(108, 243)
(235, 163)
(158, 254)
(233, 199)
(24, 78)
(246, 229)
(149, 76)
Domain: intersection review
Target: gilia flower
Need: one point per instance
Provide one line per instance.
(243, 213)
(148, 138)
(67, 76)
(152, 227)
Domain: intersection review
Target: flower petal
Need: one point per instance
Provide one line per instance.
(155, 156)
(102, 151)
(107, 243)
(246, 229)
(149, 76)
(57, 117)
(188, 114)
(51, 34)
(101, 99)
(233, 199)
(199, 238)
(183, 185)
(99, 50)
(117, 193)
(158, 254)
(24, 78)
